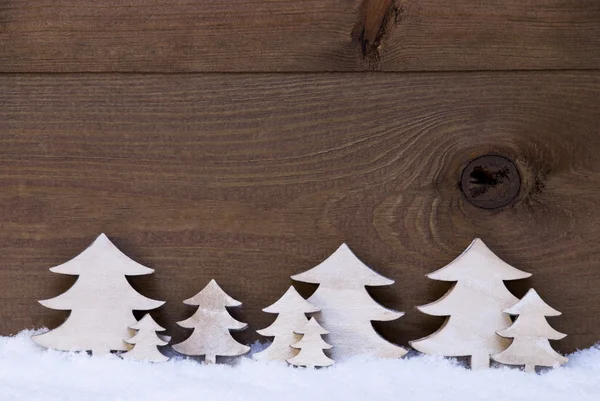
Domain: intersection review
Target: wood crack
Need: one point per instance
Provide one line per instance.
(375, 19)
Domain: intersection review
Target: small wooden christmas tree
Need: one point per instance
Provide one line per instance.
(311, 346)
(347, 309)
(292, 310)
(146, 342)
(531, 333)
(473, 305)
(211, 324)
(101, 301)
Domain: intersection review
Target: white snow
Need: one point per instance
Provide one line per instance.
(29, 372)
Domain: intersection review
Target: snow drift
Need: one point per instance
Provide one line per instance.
(30, 373)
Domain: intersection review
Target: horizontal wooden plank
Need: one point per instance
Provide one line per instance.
(292, 35)
(250, 178)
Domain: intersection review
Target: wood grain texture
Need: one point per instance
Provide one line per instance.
(292, 35)
(250, 179)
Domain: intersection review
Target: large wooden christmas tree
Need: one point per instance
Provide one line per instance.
(474, 306)
(211, 323)
(347, 309)
(531, 333)
(101, 301)
(291, 309)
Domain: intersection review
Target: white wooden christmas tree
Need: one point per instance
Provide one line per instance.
(530, 333)
(101, 301)
(211, 323)
(291, 309)
(474, 306)
(347, 309)
(311, 346)
(146, 342)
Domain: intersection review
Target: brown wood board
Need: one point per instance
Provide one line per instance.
(292, 35)
(250, 178)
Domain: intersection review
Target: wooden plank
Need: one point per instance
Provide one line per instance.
(250, 178)
(292, 35)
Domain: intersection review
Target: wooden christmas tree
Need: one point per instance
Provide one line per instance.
(347, 308)
(211, 324)
(531, 333)
(311, 346)
(146, 342)
(474, 306)
(292, 310)
(101, 301)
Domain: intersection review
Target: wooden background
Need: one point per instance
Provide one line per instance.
(244, 141)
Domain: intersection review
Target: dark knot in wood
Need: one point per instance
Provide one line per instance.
(491, 182)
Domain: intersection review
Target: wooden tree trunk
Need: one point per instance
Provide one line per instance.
(480, 361)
